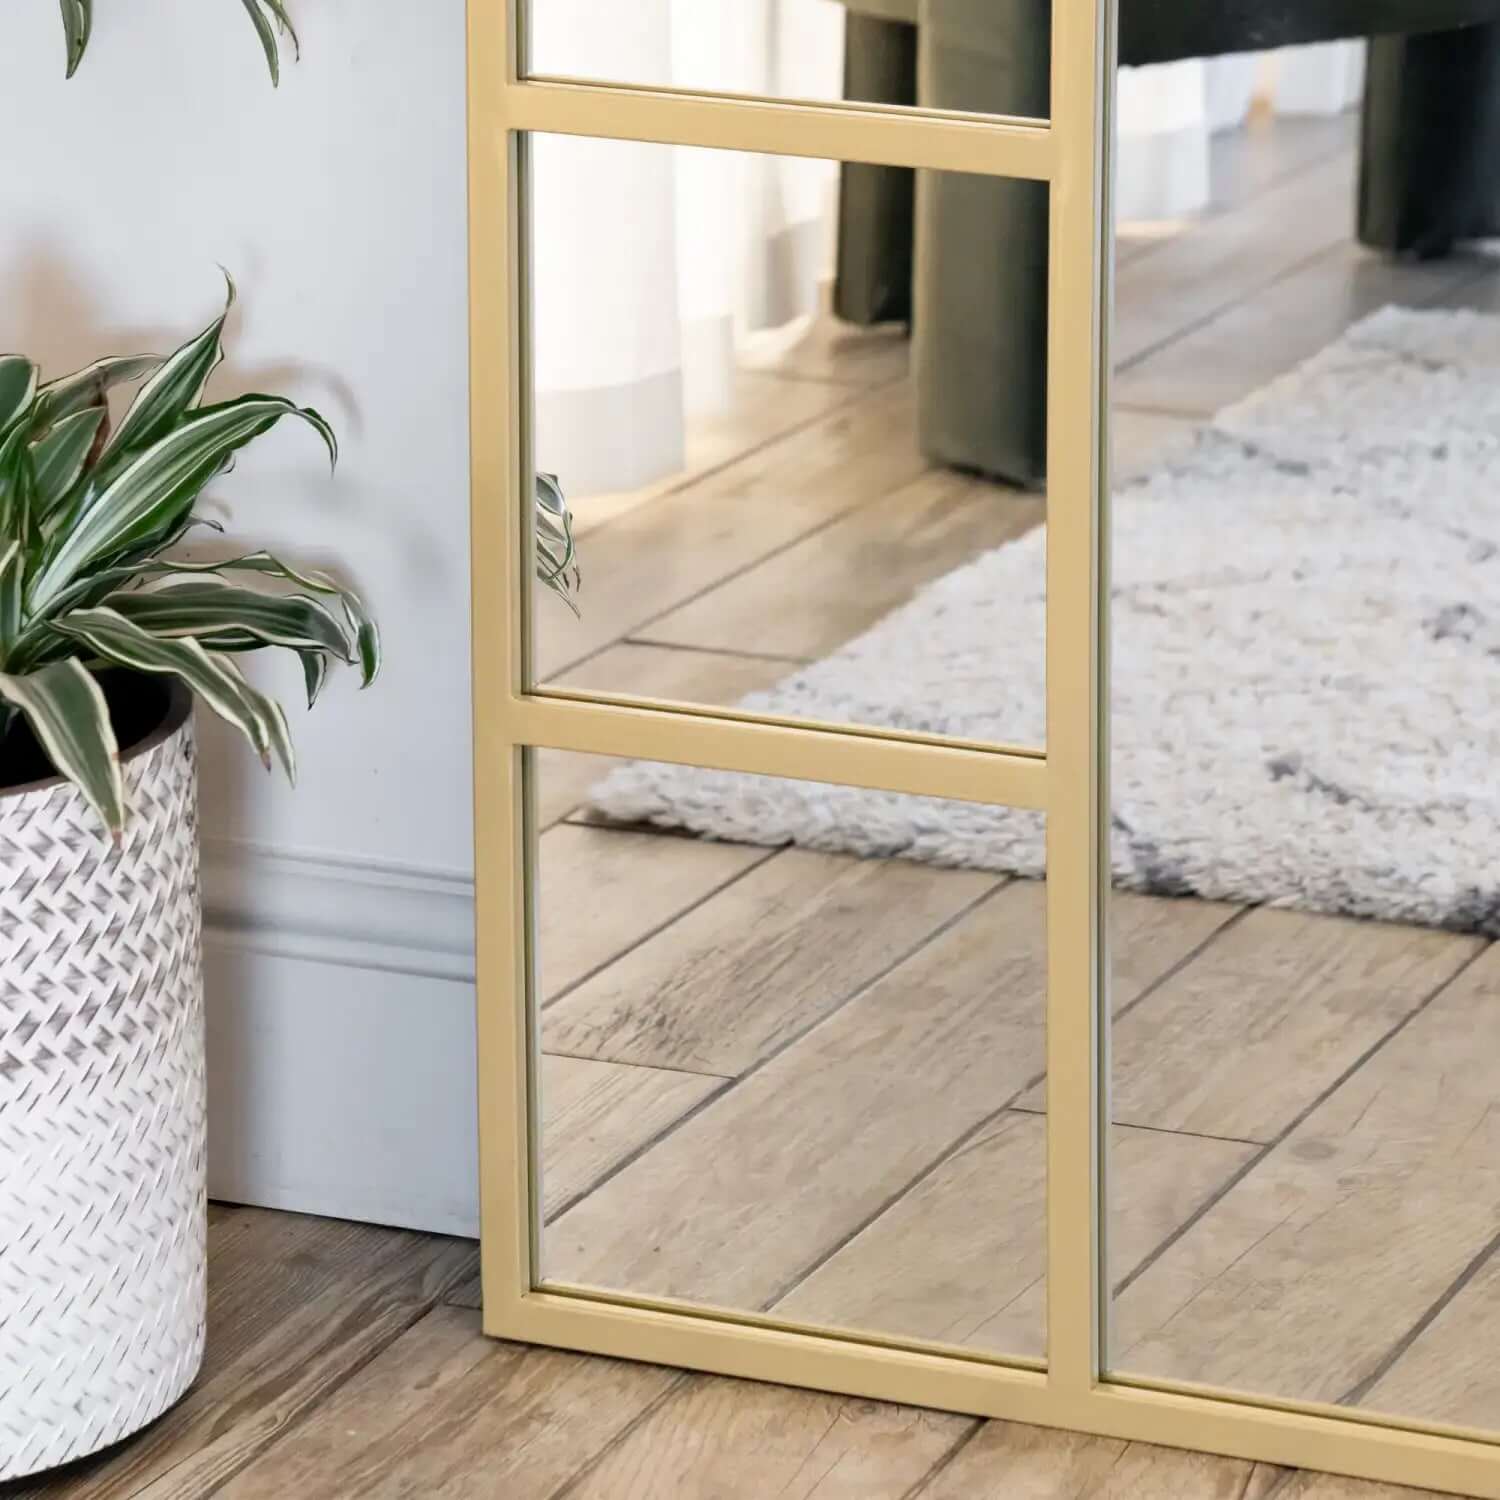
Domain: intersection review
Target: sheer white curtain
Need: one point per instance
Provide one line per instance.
(651, 264)
(1167, 114)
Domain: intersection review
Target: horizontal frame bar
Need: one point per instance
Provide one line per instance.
(993, 145)
(1222, 1424)
(849, 757)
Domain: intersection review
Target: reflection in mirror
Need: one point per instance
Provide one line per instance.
(789, 1069)
(976, 57)
(1304, 1200)
(787, 500)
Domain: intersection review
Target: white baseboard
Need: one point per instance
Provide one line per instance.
(341, 1067)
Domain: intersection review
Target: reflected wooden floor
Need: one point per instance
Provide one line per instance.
(810, 1086)
(789, 1081)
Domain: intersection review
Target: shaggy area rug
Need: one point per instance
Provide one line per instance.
(1306, 659)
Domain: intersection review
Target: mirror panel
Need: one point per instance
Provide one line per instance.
(952, 55)
(1304, 1191)
(782, 502)
(790, 1071)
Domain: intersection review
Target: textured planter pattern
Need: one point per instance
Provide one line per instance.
(102, 1211)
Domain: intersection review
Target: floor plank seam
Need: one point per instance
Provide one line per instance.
(673, 1126)
(927, 1480)
(1191, 1135)
(630, 1158)
(816, 529)
(950, 1152)
(1241, 1173)
(1358, 1392)
(573, 985)
(570, 1485)
(1249, 294)
(1174, 969)
(688, 480)
(791, 661)
(1273, 184)
(420, 1310)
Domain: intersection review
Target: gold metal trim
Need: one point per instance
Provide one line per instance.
(770, 747)
(1071, 152)
(848, 132)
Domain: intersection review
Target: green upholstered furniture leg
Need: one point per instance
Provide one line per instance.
(1430, 174)
(979, 334)
(874, 276)
(1430, 158)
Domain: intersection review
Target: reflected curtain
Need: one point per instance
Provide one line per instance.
(1169, 112)
(652, 265)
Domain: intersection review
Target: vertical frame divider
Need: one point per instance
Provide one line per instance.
(1077, 728)
(502, 856)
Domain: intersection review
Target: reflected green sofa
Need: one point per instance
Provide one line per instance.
(965, 258)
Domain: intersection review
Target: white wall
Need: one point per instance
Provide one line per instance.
(340, 935)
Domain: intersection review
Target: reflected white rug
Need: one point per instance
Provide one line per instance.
(1306, 698)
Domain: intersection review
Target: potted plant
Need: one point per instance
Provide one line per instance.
(106, 639)
(105, 642)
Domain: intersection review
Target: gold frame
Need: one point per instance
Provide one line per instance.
(1070, 781)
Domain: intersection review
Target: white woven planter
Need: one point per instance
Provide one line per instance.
(102, 1212)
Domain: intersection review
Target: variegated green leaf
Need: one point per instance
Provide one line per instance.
(78, 22)
(150, 499)
(17, 491)
(366, 633)
(57, 459)
(70, 719)
(262, 13)
(78, 18)
(87, 387)
(206, 610)
(175, 388)
(17, 387)
(314, 673)
(215, 679)
(12, 577)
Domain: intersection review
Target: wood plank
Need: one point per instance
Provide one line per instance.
(595, 1114)
(1482, 293)
(961, 1257)
(759, 962)
(761, 407)
(603, 890)
(1151, 935)
(1304, 1485)
(660, 555)
(1007, 1461)
(565, 778)
(1267, 1016)
(446, 1413)
(1227, 257)
(833, 585)
(295, 1305)
(737, 1440)
(1390, 1186)
(822, 348)
(1449, 1374)
(734, 1207)
(1267, 333)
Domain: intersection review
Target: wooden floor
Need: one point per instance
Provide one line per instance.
(792, 1082)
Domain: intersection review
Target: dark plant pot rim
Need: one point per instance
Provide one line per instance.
(176, 707)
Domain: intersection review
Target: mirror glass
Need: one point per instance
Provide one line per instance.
(788, 498)
(964, 55)
(1304, 1196)
(791, 1071)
